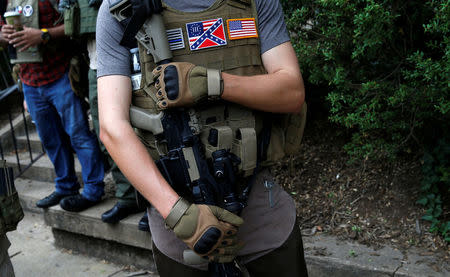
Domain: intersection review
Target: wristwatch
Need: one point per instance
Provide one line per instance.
(45, 35)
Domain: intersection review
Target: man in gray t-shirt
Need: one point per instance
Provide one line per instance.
(271, 237)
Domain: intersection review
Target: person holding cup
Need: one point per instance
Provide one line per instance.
(59, 114)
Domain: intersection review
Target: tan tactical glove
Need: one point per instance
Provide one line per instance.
(182, 84)
(208, 230)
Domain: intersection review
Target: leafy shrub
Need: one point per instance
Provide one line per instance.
(385, 64)
(435, 186)
(383, 69)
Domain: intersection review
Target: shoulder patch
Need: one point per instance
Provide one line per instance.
(206, 34)
(242, 28)
(27, 10)
(175, 38)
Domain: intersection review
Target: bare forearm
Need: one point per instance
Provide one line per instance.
(278, 92)
(134, 161)
(127, 150)
(57, 32)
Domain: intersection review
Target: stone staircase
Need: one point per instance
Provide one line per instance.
(82, 232)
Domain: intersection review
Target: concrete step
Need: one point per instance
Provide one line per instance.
(41, 170)
(87, 222)
(19, 129)
(84, 232)
(34, 142)
(123, 243)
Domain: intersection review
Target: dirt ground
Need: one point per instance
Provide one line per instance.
(372, 203)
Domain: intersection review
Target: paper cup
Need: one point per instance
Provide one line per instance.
(13, 18)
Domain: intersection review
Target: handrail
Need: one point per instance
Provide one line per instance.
(21, 165)
(8, 91)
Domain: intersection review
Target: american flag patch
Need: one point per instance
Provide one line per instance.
(242, 28)
(206, 34)
(175, 38)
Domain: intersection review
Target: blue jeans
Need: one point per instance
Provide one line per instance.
(62, 125)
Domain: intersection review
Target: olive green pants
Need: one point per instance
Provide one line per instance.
(124, 190)
(286, 261)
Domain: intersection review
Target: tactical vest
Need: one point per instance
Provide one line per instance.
(238, 129)
(29, 17)
(80, 19)
(88, 17)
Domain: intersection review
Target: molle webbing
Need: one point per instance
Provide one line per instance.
(88, 17)
(234, 56)
(239, 57)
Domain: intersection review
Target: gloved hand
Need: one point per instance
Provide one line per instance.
(226, 253)
(182, 84)
(208, 230)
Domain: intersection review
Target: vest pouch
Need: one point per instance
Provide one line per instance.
(294, 131)
(286, 135)
(216, 138)
(78, 75)
(72, 20)
(87, 17)
(154, 149)
(10, 210)
(244, 146)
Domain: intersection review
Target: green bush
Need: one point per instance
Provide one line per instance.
(436, 185)
(385, 66)
(383, 70)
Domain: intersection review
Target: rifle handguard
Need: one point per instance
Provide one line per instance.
(177, 211)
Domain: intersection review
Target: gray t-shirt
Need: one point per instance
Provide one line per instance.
(114, 58)
(266, 226)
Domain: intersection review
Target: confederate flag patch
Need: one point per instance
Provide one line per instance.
(206, 34)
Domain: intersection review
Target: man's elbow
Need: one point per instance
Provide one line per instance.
(299, 99)
(104, 135)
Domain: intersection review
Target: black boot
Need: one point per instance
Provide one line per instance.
(51, 200)
(119, 212)
(143, 223)
(76, 203)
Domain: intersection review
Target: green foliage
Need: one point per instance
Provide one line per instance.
(385, 64)
(383, 67)
(436, 182)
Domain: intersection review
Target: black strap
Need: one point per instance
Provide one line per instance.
(141, 11)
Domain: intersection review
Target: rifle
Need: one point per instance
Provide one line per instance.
(184, 167)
